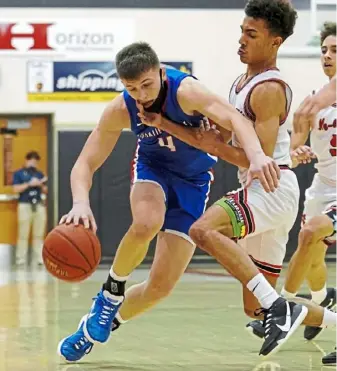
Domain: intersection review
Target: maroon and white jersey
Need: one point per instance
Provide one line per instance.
(240, 99)
(323, 143)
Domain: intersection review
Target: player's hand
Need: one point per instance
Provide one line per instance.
(80, 212)
(208, 135)
(205, 125)
(266, 170)
(302, 155)
(149, 118)
(34, 182)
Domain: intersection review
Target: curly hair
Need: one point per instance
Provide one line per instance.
(329, 28)
(279, 15)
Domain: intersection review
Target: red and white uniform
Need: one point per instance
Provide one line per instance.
(322, 193)
(268, 217)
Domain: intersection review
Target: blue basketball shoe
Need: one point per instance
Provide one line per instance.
(75, 346)
(97, 327)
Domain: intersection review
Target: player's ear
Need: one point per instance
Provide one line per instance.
(277, 41)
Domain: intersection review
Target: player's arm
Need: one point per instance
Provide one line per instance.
(231, 154)
(326, 96)
(195, 97)
(268, 103)
(97, 148)
(298, 150)
(309, 108)
(212, 141)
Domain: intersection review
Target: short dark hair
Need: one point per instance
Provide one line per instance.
(329, 28)
(279, 15)
(33, 155)
(135, 59)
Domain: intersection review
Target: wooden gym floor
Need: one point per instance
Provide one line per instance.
(201, 327)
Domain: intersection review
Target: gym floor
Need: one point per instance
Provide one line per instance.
(200, 327)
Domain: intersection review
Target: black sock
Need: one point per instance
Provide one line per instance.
(115, 325)
(114, 287)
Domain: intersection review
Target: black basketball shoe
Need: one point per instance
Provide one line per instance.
(329, 302)
(256, 328)
(329, 359)
(280, 322)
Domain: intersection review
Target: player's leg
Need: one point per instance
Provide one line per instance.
(148, 212)
(309, 259)
(320, 294)
(251, 308)
(267, 251)
(173, 253)
(310, 247)
(234, 216)
(318, 274)
(186, 202)
(38, 232)
(261, 249)
(321, 231)
(24, 224)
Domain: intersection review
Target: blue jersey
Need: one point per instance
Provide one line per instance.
(161, 150)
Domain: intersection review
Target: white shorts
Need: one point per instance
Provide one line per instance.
(320, 198)
(261, 221)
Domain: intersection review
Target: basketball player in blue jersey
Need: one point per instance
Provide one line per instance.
(171, 182)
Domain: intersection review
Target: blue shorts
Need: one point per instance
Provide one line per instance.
(185, 199)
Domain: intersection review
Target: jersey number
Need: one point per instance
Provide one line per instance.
(333, 143)
(167, 142)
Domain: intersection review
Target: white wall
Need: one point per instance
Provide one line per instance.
(208, 38)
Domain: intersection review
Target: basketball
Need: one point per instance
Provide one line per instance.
(71, 253)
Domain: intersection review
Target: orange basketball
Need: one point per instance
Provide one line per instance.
(71, 253)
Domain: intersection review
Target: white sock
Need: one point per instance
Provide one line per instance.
(262, 290)
(288, 295)
(118, 278)
(329, 318)
(318, 296)
(120, 319)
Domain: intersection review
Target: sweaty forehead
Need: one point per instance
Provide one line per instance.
(257, 24)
